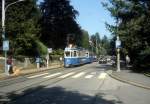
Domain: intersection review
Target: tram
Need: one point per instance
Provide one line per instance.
(74, 56)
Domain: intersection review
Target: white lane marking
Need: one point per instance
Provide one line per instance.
(38, 75)
(52, 75)
(93, 73)
(66, 75)
(88, 76)
(102, 69)
(78, 75)
(102, 76)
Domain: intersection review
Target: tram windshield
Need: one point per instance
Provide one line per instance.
(67, 54)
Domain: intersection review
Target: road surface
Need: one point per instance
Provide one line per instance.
(87, 84)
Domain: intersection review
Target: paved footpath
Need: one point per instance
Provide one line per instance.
(128, 76)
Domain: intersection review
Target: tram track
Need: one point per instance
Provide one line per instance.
(18, 79)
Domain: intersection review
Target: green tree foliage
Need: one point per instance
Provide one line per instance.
(58, 20)
(22, 27)
(105, 45)
(96, 43)
(41, 48)
(101, 46)
(133, 28)
(85, 39)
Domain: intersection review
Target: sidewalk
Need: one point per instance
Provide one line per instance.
(128, 76)
(29, 71)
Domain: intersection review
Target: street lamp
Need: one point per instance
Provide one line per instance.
(5, 41)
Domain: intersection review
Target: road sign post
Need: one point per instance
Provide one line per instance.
(38, 62)
(5, 49)
(118, 46)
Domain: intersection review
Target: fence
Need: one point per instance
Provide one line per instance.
(30, 63)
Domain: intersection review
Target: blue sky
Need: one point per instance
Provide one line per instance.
(92, 16)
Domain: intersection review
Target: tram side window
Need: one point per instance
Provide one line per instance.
(67, 54)
(75, 53)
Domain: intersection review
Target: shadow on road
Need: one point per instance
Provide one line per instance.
(55, 95)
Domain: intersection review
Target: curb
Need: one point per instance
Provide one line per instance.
(32, 72)
(129, 82)
(148, 75)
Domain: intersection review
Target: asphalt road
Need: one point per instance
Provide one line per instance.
(87, 84)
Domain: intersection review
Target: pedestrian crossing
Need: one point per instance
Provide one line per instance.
(73, 75)
(89, 76)
(52, 75)
(34, 76)
(66, 75)
(78, 75)
(102, 76)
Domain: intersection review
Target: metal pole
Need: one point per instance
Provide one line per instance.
(6, 70)
(38, 65)
(118, 60)
(3, 33)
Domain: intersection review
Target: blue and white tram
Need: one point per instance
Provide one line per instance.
(76, 56)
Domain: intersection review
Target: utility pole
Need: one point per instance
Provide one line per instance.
(118, 46)
(3, 36)
(118, 60)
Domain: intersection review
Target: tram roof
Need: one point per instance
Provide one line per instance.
(75, 48)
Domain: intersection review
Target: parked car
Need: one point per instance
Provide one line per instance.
(102, 61)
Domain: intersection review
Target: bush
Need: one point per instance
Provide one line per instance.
(41, 48)
(59, 52)
(142, 62)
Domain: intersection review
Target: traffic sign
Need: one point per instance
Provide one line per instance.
(37, 60)
(118, 44)
(49, 50)
(5, 45)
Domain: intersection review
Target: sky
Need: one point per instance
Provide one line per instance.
(92, 16)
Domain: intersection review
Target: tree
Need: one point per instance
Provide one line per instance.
(85, 39)
(22, 27)
(133, 19)
(105, 44)
(58, 20)
(96, 42)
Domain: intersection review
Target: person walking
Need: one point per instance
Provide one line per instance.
(9, 65)
(60, 59)
(127, 61)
